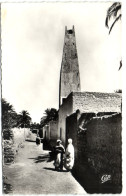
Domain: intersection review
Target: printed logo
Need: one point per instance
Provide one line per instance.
(105, 178)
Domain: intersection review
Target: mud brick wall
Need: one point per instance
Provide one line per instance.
(104, 146)
(99, 153)
(87, 102)
(97, 102)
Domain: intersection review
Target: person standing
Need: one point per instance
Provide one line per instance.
(37, 140)
(59, 151)
(69, 156)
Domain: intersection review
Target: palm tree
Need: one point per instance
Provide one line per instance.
(24, 119)
(50, 114)
(9, 116)
(114, 11)
(9, 119)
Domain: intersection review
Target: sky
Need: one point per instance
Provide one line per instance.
(32, 47)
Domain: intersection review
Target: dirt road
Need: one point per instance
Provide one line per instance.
(33, 174)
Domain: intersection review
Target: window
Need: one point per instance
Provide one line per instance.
(70, 31)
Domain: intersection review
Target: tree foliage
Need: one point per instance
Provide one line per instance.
(118, 91)
(115, 12)
(50, 114)
(11, 119)
(9, 116)
(35, 125)
(24, 119)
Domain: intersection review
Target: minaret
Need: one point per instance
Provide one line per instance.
(69, 73)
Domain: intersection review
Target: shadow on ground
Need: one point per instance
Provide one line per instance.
(28, 140)
(41, 158)
(48, 168)
(53, 169)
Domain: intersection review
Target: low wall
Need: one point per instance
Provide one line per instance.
(20, 134)
(12, 144)
(8, 151)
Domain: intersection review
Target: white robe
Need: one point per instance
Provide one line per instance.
(69, 157)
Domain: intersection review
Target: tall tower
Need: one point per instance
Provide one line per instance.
(69, 73)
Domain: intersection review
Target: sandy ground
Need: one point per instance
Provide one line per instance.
(32, 173)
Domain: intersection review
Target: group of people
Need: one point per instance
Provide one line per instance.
(64, 158)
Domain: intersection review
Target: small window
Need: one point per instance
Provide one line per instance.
(70, 31)
(73, 43)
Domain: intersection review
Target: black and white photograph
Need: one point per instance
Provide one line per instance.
(61, 97)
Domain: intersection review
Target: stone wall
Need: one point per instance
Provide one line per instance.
(98, 152)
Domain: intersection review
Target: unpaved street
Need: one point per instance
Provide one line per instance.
(33, 174)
